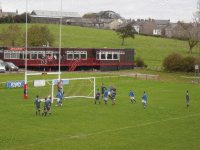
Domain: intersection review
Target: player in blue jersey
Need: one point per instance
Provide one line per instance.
(49, 106)
(97, 97)
(59, 100)
(45, 107)
(132, 96)
(187, 99)
(102, 90)
(144, 100)
(109, 90)
(105, 96)
(37, 102)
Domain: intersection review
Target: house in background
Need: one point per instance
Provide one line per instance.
(161, 25)
(6, 14)
(148, 26)
(52, 17)
(176, 30)
(159, 30)
(113, 24)
(83, 22)
(193, 30)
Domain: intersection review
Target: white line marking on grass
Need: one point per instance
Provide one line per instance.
(80, 136)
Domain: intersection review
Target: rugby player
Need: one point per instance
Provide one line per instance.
(37, 102)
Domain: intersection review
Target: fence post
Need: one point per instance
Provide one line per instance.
(110, 78)
(136, 75)
(146, 76)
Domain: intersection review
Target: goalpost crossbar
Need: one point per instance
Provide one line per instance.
(90, 94)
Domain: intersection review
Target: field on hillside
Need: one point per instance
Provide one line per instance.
(151, 49)
(166, 123)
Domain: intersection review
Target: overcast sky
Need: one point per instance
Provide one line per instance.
(175, 10)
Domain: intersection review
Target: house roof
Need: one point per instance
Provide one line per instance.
(9, 13)
(79, 20)
(140, 22)
(171, 26)
(161, 22)
(53, 14)
(161, 27)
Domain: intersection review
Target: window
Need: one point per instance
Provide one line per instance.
(103, 55)
(116, 55)
(83, 55)
(76, 55)
(97, 57)
(12, 54)
(109, 55)
(69, 55)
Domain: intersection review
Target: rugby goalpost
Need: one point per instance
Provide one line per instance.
(74, 87)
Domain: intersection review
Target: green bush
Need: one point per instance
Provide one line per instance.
(176, 62)
(140, 62)
(188, 64)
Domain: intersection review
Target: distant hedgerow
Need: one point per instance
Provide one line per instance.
(177, 62)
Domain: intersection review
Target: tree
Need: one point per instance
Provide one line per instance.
(22, 18)
(11, 36)
(39, 35)
(192, 42)
(125, 32)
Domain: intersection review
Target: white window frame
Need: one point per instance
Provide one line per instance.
(10, 54)
(70, 52)
(76, 53)
(106, 54)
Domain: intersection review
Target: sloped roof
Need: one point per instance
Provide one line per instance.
(162, 22)
(53, 14)
(9, 13)
(140, 22)
(171, 26)
(162, 27)
(80, 20)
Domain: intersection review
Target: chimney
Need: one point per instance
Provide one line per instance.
(138, 19)
(16, 11)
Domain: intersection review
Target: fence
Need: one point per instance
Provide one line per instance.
(192, 80)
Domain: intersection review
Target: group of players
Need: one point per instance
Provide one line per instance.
(45, 109)
(111, 93)
(47, 104)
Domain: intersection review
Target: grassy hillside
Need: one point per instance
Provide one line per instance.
(151, 49)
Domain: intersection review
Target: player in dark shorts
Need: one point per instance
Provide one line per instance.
(97, 97)
(114, 91)
(49, 106)
(112, 95)
(45, 107)
(102, 90)
(37, 102)
(187, 99)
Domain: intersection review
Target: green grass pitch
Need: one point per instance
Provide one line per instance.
(80, 124)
